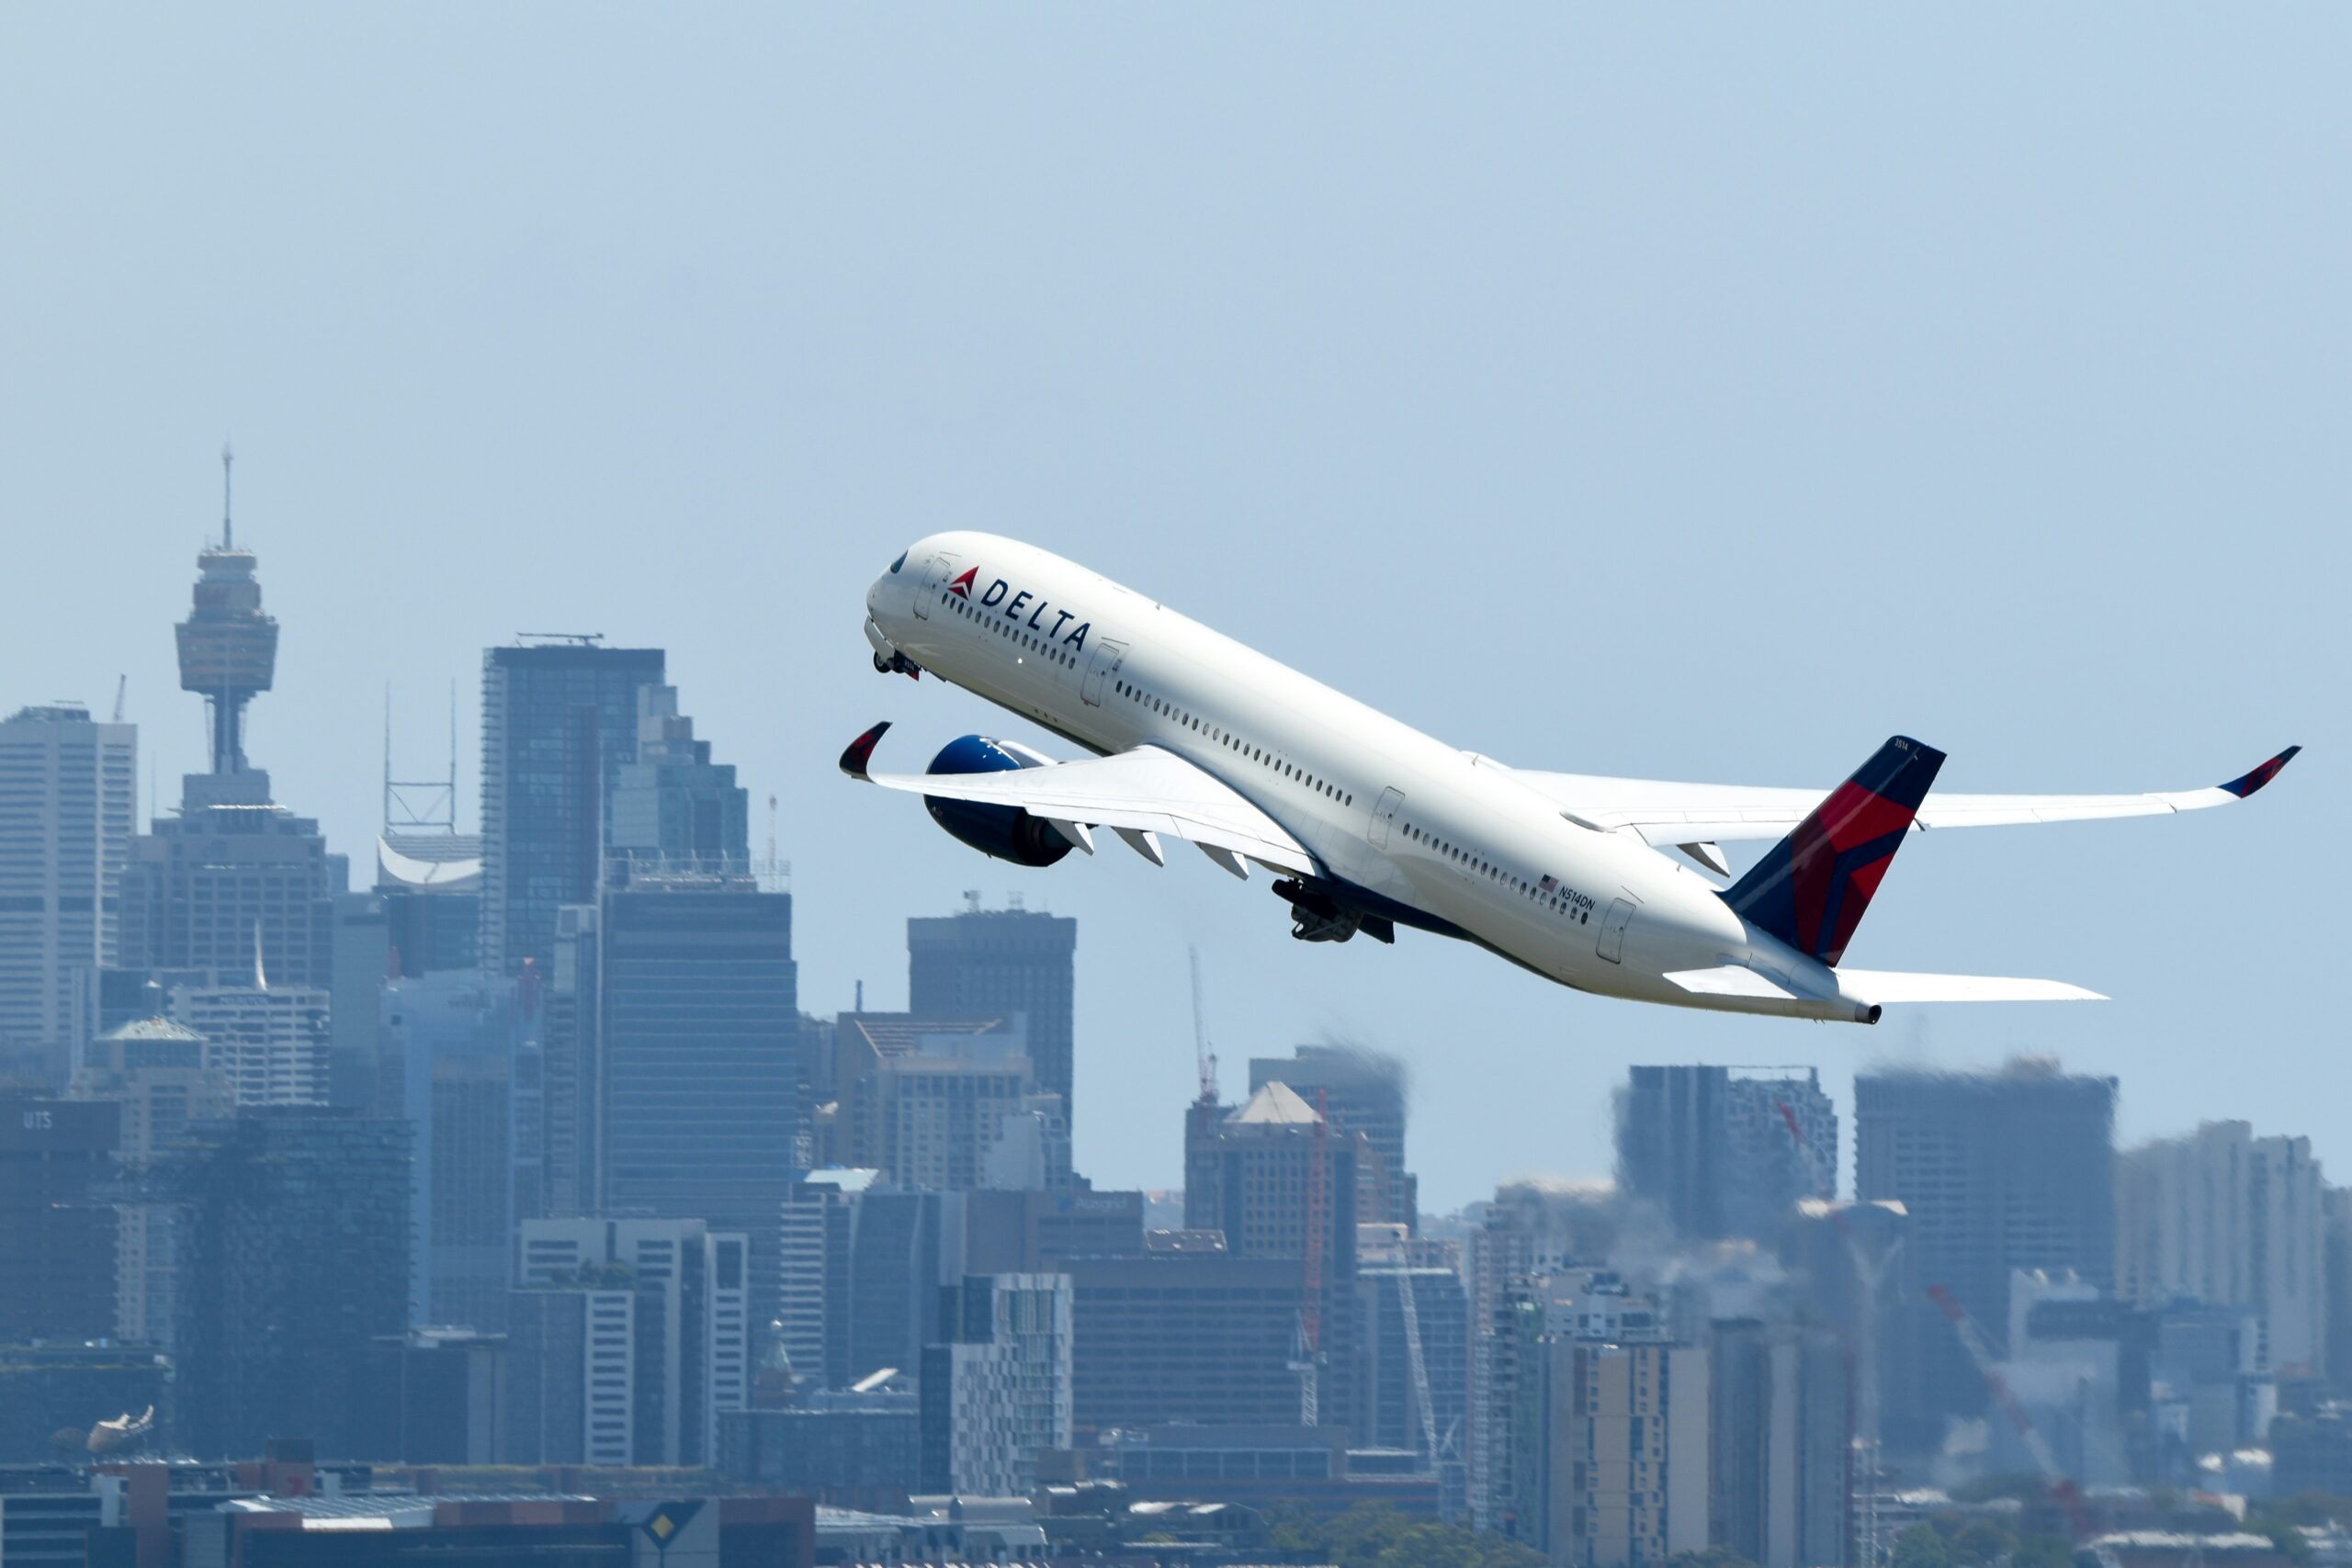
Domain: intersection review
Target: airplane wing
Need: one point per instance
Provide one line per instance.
(1139, 795)
(1697, 816)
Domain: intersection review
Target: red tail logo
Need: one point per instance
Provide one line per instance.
(962, 586)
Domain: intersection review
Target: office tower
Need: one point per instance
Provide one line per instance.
(1857, 1276)
(902, 1247)
(814, 1311)
(1532, 1230)
(2336, 1204)
(233, 871)
(2079, 1367)
(997, 1391)
(1608, 1457)
(1998, 1172)
(965, 1112)
(569, 1106)
(298, 1258)
(1727, 1151)
(933, 1102)
(1415, 1342)
(57, 1234)
(846, 1448)
(1205, 1338)
(1362, 1092)
(696, 1030)
(559, 718)
(450, 1044)
(2228, 1219)
(998, 963)
(671, 805)
(67, 788)
(436, 1396)
(1781, 1445)
(153, 1069)
(629, 1337)
(1282, 1183)
(423, 917)
(1271, 1157)
(270, 1042)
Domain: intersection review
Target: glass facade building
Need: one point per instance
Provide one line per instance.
(557, 721)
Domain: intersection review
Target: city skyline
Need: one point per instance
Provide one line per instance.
(678, 377)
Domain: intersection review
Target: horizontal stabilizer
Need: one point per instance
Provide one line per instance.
(1728, 980)
(1887, 986)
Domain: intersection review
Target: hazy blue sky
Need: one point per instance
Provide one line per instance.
(1683, 391)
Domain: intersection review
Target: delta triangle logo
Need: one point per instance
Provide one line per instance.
(962, 586)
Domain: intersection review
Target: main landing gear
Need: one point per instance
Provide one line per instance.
(1316, 915)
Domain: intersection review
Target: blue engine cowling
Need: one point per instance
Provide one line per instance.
(1005, 832)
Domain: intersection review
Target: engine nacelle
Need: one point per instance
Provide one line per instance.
(1005, 832)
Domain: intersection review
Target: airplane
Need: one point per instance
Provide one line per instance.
(1367, 824)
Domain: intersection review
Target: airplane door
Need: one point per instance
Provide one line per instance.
(934, 572)
(1108, 657)
(1612, 930)
(1383, 815)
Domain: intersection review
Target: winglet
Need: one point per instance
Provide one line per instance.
(2248, 783)
(861, 750)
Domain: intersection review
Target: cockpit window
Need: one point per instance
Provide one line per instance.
(900, 562)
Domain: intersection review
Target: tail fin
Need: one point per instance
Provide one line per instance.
(1811, 889)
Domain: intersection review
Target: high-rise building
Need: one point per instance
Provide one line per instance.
(1362, 1092)
(1283, 1185)
(271, 1042)
(671, 805)
(153, 1069)
(1531, 1231)
(695, 1039)
(1727, 1151)
(569, 1111)
(67, 799)
(234, 882)
(2228, 1219)
(2004, 1171)
(998, 1391)
(450, 1046)
(814, 1311)
(965, 1112)
(298, 1258)
(629, 1339)
(57, 1234)
(557, 721)
(1610, 1450)
(1782, 1450)
(996, 963)
(1185, 1336)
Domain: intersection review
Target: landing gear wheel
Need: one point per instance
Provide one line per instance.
(881, 665)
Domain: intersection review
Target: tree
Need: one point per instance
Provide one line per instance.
(1377, 1536)
(1921, 1546)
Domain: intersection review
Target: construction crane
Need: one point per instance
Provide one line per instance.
(1205, 1058)
(2062, 1486)
(121, 688)
(1410, 1311)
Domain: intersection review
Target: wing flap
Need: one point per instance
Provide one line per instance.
(1145, 792)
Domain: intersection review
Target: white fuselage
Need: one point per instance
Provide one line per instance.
(1384, 808)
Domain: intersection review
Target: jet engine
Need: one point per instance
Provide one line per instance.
(1008, 832)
